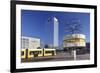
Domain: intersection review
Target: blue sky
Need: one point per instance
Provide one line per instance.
(35, 24)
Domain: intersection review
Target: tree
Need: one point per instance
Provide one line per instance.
(38, 47)
(46, 46)
(73, 26)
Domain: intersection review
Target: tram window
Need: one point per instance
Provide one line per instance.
(31, 53)
(49, 52)
(39, 52)
(35, 52)
(22, 53)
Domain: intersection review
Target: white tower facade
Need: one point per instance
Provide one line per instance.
(56, 31)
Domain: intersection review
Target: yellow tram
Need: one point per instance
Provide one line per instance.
(49, 52)
(31, 53)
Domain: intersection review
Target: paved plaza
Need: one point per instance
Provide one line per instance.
(59, 57)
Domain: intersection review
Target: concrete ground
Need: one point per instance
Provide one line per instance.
(59, 57)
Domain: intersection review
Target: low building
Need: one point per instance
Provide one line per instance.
(29, 42)
(74, 40)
